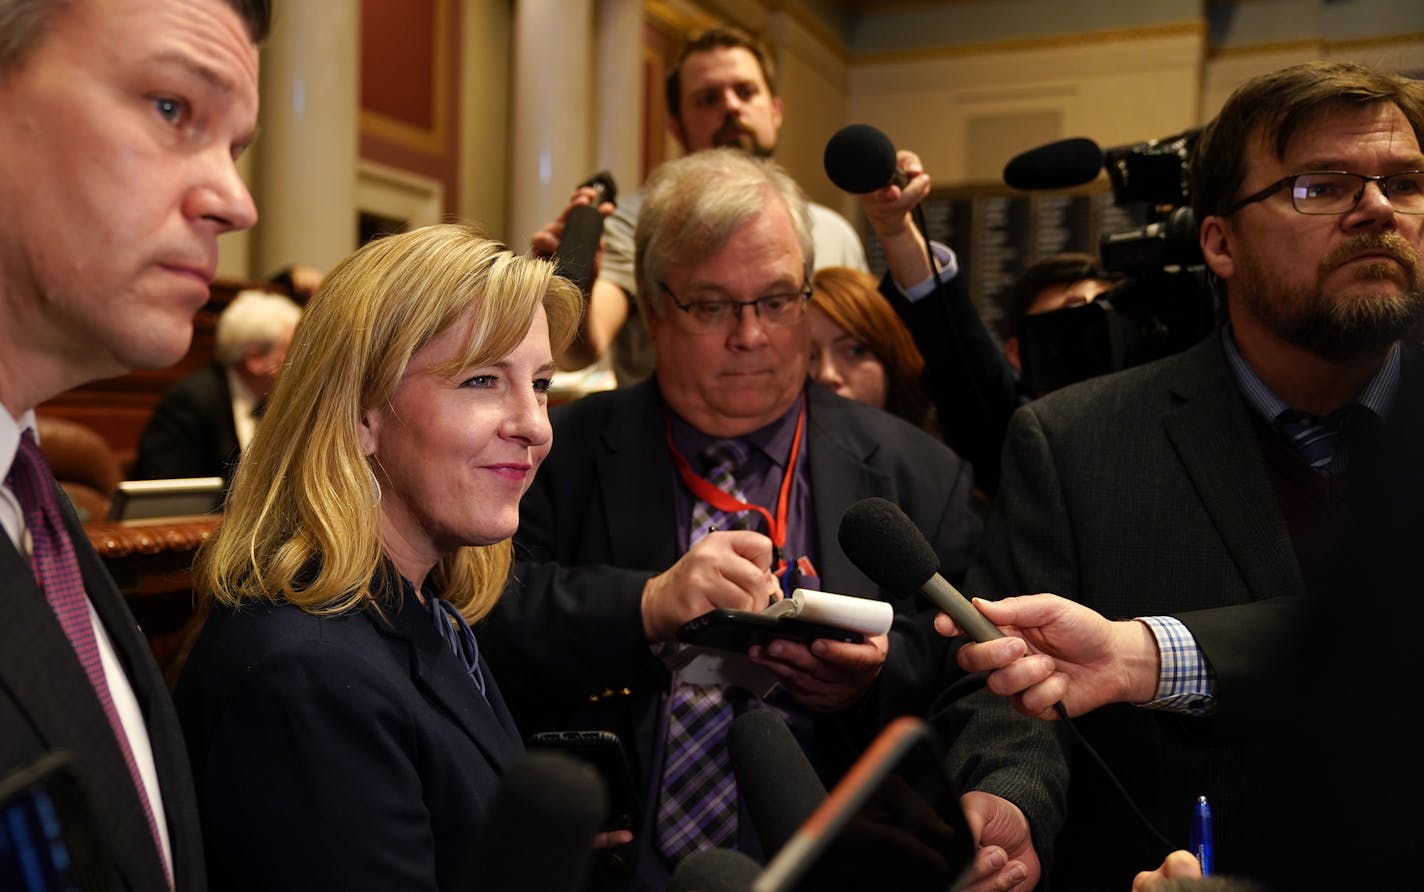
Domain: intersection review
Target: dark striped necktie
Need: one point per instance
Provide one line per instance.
(697, 806)
(1315, 440)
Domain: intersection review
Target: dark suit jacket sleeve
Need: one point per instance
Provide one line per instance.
(305, 723)
(1249, 649)
(972, 386)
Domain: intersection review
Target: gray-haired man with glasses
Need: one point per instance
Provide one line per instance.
(1214, 495)
(720, 482)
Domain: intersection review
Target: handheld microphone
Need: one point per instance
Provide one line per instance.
(775, 780)
(886, 545)
(1058, 165)
(583, 227)
(714, 870)
(861, 159)
(538, 835)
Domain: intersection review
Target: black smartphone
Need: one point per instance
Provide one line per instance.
(48, 839)
(604, 751)
(737, 630)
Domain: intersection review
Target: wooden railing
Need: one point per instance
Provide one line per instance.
(151, 560)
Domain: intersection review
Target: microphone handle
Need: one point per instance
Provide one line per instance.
(583, 227)
(947, 598)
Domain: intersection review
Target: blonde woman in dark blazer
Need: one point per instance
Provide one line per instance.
(344, 731)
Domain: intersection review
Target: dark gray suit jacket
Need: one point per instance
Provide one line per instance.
(47, 704)
(1143, 493)
(567, 639)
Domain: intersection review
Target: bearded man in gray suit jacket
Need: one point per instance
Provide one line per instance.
(723, 255)
(1192, 499)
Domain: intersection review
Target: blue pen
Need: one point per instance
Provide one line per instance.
(1201, 834)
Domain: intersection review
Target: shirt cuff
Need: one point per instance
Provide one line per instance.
(1185, 682)
(948, 269)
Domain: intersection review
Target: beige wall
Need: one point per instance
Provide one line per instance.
(966, 108)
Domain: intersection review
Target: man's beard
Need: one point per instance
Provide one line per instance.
(1340, 328)
(733, 133)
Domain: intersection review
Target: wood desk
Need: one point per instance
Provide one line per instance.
(151, 560)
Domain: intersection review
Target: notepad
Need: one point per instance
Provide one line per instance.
(864, 615)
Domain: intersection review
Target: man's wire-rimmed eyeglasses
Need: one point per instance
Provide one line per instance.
(717, 315)
(1334, 192)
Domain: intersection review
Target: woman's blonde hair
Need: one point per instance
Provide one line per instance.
(302, 522)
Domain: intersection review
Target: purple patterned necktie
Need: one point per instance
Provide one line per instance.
(697, 808)
(57, 571)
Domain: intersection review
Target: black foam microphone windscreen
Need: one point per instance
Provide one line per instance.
(775, 780)
(1058, 165)
(583, 227)
(714, 870)
(887, 546)
(538, 834)
(860, 159)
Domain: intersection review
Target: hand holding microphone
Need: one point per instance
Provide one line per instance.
(892, 187)
(577, 250)
(1073, 656)
(1063, 656)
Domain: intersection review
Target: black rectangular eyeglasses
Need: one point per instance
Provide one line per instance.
(1333, 192)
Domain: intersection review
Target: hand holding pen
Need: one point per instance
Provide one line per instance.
(1201, 842)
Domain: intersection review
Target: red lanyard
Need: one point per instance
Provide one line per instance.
(723, 501)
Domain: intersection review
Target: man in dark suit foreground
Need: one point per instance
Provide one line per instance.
(204, 421)
(615, 532)
(1219, 495)
(114, 200)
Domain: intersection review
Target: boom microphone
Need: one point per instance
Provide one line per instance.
(1058, 165)
(583, 227)
(538, 835)
(861, 159)
(775, 780)
(714, 870)
(886, 545)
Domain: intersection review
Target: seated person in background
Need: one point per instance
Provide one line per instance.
(206, 419)
(624, 537)
(343, 730)
(1055, 282)
(861, 350)
(298, 279)
(721, 92)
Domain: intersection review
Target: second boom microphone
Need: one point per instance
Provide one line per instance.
(1058, 165)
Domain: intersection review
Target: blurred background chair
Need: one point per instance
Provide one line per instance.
(83, 462)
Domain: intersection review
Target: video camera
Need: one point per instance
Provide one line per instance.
(1165, 305)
